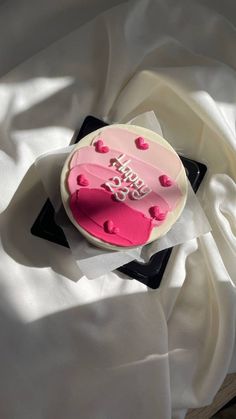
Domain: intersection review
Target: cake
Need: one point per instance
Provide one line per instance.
(123, 186)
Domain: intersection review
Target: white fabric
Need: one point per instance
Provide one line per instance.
(110, 347)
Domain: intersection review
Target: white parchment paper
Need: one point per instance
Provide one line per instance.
(94, 262)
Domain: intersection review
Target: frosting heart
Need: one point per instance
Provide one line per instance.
(82, 180)
(155, 213)
(100, 147)
(140, 143)
(165, 181)
(110, 228)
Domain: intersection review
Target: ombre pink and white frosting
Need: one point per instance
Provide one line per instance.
(122, 186)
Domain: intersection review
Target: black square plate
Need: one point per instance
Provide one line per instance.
(149, 273)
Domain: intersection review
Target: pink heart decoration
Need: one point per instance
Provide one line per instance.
(165, 181)
(155, 213)
(100, 147)
(140, 143)
(110, 228)
(82, 180)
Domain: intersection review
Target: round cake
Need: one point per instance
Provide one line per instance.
(123, 186)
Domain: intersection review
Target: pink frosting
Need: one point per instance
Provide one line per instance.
(99, 165)
(124, 141)
(141, 144)
(97, 175)
(92, 203)
(90, 207)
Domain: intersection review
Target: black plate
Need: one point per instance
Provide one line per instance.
(149, 273)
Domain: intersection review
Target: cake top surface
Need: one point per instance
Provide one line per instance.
(123, 186)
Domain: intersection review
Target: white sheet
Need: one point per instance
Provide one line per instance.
(110, 347)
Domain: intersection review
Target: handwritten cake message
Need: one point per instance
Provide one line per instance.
(136, 188)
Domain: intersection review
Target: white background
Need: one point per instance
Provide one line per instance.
(110, 348)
